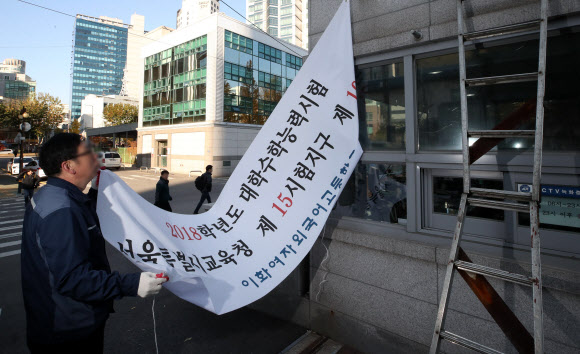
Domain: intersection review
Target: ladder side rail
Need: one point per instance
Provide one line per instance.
(537, 279)
(449, 272)
(539, 139)
(463, 95)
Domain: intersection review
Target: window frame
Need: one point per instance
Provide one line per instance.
(474, 225)
(559, 167)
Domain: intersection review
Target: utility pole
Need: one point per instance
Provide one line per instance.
(24, 127)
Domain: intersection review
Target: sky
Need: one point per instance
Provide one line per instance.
(44, 39)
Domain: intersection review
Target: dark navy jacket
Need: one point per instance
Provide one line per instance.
(162, 191)
(67, 283)
(207, 180)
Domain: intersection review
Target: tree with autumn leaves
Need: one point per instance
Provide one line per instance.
(120, 113)
(75, 127)
(45, 113)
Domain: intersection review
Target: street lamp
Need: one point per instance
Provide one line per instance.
(24, 127)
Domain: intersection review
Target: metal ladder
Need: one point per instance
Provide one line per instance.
(496, 199)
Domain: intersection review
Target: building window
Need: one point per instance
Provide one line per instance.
(238, 73)
(273, 31)
(381, 88)
(438, 105)
(286, 21)
(375, 191)
(273, 11)
(286, 11)
(284, 31)
(447, 194)
(255, 81)
(269, 53)
(293, 61)
(269, 81)
(174, 85)
(273, 21)
(237, 42)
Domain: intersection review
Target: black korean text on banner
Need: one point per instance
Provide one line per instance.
(274, 205)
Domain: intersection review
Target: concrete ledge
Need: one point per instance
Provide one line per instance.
(360, 335)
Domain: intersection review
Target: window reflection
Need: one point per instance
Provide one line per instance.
(447, 195)
(383, 113)
(438, 101)
(174, 84)
(376, 192)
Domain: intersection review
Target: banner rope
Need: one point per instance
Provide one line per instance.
(154, 325)
(322, 265)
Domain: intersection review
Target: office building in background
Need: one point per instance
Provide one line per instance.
(99, 58)
(107, 57)
(284, 19)
(193, 11)
(208, 88)
(14, 83)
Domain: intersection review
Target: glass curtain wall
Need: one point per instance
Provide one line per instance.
(438, 106)
(256, 76)
(100, 55)
(378, 191)
(174, 89)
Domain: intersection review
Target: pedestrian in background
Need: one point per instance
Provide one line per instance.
(203, 183)
(29, 181)
(162, 196)
(67, 283)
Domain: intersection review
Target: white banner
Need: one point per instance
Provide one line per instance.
(273, 207)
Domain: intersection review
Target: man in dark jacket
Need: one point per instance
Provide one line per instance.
(162, 196)
(67, 284)
(29, 182)
(206, 188)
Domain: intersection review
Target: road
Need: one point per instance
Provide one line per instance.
(181, 327)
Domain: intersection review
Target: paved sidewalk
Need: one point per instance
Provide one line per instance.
(8, 186)
(180, 326)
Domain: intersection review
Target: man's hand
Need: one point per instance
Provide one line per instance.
(149, 284)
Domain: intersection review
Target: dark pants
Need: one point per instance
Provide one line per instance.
(28, 193)
(164, 206)
(90, 345)
(204, 196)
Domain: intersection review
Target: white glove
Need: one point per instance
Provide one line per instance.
(149, 284)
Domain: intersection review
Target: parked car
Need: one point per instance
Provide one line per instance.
(33, 165)
(109, 159)
(7, 152)
(29, 163)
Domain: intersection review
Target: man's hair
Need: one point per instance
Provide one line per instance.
(208, 167)
(164, 172)
(58, 149)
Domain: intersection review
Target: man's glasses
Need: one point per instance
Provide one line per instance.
(88, 152)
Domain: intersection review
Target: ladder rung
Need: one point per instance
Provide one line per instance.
(504, 79)
(493, 272)
(501, 133)
(454, 338)
(498, 31)
(495, 204)
(498, 193)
